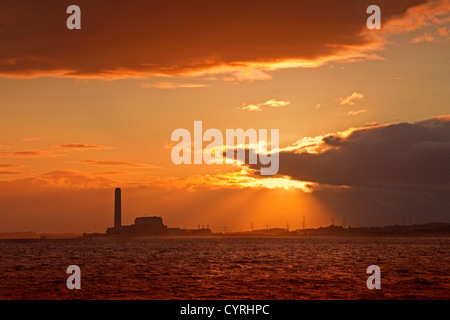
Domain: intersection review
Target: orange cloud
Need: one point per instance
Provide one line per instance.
(435, 12)
(273, 103)
(276, 103)
(31, 139)
(117, 164)
(108, 173)
(244, 179)
(10, 172)
(172, 85)
(426, 37)
(244, 40)
(350, 100)
(30, 153)
(81, 146)
(7, 165)
(251, 107)
(71, 179)
(443, 32)
(246, 74)
(355, 112)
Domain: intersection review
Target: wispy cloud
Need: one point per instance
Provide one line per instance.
(318, 106)
(272, 103)
(117, 164)
(30, 154)
(276, 103)
(355, 112)
(441, 34)
(247, 75)
(7, 165)
(425, 14)
(32, 139)
(10, 172)
(251, 107)
(81, 146)
(172, 85)
(4, 146)
(72, 179)
(350, 100)
(110, 173)
(426, 37)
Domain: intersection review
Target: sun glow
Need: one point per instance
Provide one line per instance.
(243, 179)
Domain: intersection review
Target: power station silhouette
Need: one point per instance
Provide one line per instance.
(117, 208)
(145, 226)
(154, 227)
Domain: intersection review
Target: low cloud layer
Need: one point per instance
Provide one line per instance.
(117, 164)
(172, 85)
(81, 146)
(30, 154)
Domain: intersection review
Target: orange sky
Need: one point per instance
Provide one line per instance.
(362, 113)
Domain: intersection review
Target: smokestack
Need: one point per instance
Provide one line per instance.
(117, 209)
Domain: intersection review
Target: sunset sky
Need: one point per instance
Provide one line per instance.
(363, 115)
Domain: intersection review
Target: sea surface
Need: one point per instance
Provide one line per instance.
(238, 268)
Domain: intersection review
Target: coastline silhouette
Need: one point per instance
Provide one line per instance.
(153, 226)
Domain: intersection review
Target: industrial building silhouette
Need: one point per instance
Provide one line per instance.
(154, 227)
(146, 226)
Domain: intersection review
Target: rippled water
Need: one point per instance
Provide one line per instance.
(300, 268)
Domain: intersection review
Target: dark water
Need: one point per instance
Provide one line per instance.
(326, 268)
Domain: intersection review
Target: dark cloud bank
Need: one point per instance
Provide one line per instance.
(396, 155)
(144, 37)
(389, 172)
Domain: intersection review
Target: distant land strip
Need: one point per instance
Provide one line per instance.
(438, 229)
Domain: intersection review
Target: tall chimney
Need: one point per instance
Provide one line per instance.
(117, 209)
